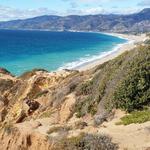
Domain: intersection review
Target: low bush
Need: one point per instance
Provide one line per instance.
(135, 117)
(85, 88)
(123, 83)
(86, 142)
(87, 105)
(133, 92)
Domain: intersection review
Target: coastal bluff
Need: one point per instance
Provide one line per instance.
(77, 110)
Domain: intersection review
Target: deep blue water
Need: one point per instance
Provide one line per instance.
(21, 51)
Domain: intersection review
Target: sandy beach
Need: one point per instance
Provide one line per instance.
(133, 40)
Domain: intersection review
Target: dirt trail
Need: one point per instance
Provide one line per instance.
(130, 137)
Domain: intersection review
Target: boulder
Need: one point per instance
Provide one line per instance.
(33, 105)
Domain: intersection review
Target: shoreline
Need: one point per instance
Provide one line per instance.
(95, 60)
(132, 40)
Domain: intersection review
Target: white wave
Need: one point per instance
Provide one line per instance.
(89, 59)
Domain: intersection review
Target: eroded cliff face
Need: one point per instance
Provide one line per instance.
(34, 92)
(32, 104)
(36, 95)
(22, 140)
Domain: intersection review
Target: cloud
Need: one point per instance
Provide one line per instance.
(9, 13)
(144, 3)
(85, 11)
(101, 10)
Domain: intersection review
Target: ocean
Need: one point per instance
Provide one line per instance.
(22, 51)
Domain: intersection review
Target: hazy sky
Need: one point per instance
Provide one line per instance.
(18, 9)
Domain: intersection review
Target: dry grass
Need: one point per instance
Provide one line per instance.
(58, 129)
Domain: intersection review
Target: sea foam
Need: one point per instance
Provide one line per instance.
(83, 61)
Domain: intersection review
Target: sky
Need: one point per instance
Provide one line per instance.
(21, 9)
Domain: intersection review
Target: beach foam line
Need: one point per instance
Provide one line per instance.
(114, 35)
(85, 61)
(91, 59)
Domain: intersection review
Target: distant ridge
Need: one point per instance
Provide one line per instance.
(146, 10)
(135, 23)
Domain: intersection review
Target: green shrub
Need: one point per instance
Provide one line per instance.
(81, 108)
(133, 92)
(86, 142)
(123, 83)
(87, 105)
(85, 88)
(135, 117)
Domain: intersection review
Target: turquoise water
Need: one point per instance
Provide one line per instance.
(21, 51)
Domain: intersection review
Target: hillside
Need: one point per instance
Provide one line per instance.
(138, 22)
(74, 110)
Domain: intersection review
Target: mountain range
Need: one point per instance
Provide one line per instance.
(135, 23)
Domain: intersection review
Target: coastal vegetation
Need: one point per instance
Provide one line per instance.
(133, 92)
(135, 117)
(70, 110)
(86, 141)
(122, 83)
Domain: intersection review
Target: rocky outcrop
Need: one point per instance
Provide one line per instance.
(4, 71)
(33, 92)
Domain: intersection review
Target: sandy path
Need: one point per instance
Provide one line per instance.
(130, 137)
